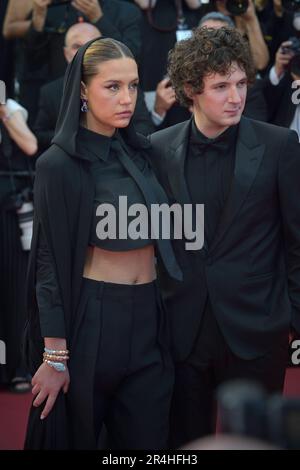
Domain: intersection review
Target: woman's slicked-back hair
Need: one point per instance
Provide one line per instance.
(100, 51)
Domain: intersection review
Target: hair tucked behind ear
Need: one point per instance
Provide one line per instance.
(101, 51)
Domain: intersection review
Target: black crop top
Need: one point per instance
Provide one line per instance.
(114, 185)
(112, 169)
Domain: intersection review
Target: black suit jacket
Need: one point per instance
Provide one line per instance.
(49, 104)
(281, 109)
(251, 271)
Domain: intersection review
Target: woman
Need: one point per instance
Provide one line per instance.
(97, 297)
(17, 145)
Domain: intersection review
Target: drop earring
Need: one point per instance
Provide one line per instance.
(84, 106)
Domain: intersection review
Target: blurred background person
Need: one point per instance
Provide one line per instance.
(17, 143)
(282, 98)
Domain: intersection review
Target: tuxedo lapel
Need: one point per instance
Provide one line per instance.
(176, 161)
(249, 154)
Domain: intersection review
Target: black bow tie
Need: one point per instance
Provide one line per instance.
(199, 147)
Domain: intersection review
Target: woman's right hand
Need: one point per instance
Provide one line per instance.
(47, 382)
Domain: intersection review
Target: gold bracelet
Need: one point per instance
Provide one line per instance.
(55, 357)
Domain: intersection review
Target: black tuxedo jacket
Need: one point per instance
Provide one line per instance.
(251, 271)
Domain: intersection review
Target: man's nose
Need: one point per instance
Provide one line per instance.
(234, 96)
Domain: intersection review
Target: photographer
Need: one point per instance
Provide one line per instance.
(247, 23)
(16, 144)
(282, 109)
(41, 26)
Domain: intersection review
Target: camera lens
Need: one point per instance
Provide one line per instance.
(237, 7)
(291, 5)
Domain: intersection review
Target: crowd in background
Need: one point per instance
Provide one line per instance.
(40, 37)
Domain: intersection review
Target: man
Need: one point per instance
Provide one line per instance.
(230, 317)
(255, 106)
(51, 93)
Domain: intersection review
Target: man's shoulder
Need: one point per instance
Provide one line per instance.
(266, 129)
(54, 87)
(169, 133)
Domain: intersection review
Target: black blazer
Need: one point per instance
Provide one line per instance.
(251, 271)
(281, 109)
(49, 104)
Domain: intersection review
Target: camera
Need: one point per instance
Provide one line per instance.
(55, 3)
(23, 206)
(294, 64)
(25, 220)
(294, 47)
(246, 409)
(236, 7)
(291, 5)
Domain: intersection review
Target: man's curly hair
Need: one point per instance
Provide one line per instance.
(208, 51)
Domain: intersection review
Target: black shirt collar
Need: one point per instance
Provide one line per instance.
(91, 144)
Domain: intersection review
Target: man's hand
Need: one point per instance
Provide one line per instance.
(165, 97)
(90, 8)
(40, 8)
(283, 58)
(47, 382)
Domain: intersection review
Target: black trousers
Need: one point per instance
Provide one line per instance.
(211, 363)
(133, 373)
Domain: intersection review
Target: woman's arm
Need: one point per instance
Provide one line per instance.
(248, 23)
(47, 381)
(16, 23)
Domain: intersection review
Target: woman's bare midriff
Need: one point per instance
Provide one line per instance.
(120, 267)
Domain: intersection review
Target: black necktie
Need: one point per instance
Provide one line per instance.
(164, 246)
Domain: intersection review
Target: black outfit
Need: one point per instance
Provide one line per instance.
(281, 108)
(41, 53)
(119, 355)
(15, 177)
(48, 111)
(231, 315)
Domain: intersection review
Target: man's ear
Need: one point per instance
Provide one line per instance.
(83, 91)
(188, 91)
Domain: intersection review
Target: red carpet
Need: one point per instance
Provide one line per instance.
(14, 411)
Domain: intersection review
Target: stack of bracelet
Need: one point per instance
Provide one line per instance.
(55, 358)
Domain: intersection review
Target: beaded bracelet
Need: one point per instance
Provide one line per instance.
(55, 357)
(56, 351)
